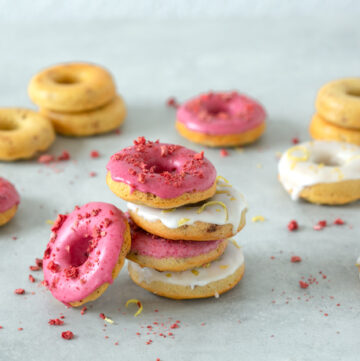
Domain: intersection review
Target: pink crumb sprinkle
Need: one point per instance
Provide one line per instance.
(224, 152)
(295, 259)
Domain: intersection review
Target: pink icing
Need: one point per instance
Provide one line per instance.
(9, 197)
(83, 251)
(147, 244)
(221, 113)
(165, 170)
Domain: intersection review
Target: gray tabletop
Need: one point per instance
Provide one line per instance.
(267, 316)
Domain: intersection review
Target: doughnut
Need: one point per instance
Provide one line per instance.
(160, 175)
(72, 87)
(23, 133)
(219, 217)
(216, 278)
(148, 250)
(100, 120)
(322, 172)
(221, 119)
(339, 102)
(86, 251)
(322, 130)
(9, 201)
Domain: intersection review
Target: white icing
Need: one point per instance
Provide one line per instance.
(214, 214)
(220, 269)
(318, 162)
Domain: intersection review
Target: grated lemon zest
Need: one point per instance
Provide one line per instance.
(224, 266)
(109, 320)
(182, 221)
(168, 275)
(212, 203)
(49, 221)
(258, 219)
(168, 210)
(195, 272)
(235, 243)
(139, 304)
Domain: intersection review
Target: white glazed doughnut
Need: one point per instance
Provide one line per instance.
(223, 267)
(201, 221)
(323, 164)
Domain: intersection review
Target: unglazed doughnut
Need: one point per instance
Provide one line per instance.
(213, 280)
(221, 119)
(219, 217)
(322, 130)
(168, 255)
(100, 120)
(72, 87)
(23, 133)
(322, 172)
(339, 102)
(86, 251)
(160, 175)
(9, 201)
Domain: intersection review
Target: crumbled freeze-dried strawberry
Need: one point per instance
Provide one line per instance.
(46, 158)
(65, 155)
(94, 154)
(293, 226)
(295, 259)
(224, 152)
(303, 284)
(19, 291)
(55, 322)
(67, 335)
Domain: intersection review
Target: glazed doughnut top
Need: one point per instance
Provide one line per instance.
(9, 197)
(221, 113)
(83, 250)
(166, 170)
(147, 244)
(318, 162)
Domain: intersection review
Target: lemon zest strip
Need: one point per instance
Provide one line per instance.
(212, 203)
(182, 221)
(139, 304)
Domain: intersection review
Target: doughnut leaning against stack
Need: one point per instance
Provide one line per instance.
(322, 172)
(79, 98)
(180, 219)
(86, 252)
(338, 112)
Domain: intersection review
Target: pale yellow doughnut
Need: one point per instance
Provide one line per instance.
(338, 102)
(97, 121)
(23, 133)
(72, 87)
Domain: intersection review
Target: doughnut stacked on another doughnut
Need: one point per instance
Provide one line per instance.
(338, 112)
(79, 98)
(180, 244)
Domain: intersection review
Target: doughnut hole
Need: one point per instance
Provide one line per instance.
(215, 107)
(78, 251)
(7, 124)
(65, 79)
(327, 160)
(158, 167)
(353, 92)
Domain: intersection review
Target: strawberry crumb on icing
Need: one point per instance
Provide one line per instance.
(293, 226)
(165, 170)
(221, 113)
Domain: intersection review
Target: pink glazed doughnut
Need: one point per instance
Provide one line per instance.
(162, 254)
(86, 251)
(221, 119)
(160, 175)
(9, 201)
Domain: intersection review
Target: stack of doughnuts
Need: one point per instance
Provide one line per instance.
(79, 98)
(338, 112)
(181, 217)
(221, 119)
